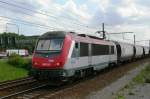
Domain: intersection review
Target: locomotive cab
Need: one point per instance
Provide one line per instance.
(50, 54)
(48, 49)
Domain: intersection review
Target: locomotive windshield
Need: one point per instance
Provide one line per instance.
(50, 45)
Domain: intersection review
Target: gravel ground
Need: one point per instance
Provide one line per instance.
(103, 86)
(109, 91)
(138, 92)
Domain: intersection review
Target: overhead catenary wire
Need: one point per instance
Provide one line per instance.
(78, 29)
(31, 15)
(51, 13)
(34, 24)
(15, 5)
(29, 23)
(48, 12)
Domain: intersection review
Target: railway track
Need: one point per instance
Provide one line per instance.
(38, 89)
(23, 91)
(16, 83)
(15, 87)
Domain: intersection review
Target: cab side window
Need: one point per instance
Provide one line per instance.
(84, 49)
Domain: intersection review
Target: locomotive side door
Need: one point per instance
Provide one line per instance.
(75, 55)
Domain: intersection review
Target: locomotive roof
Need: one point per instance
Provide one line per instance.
(53, 34)
(61, 34)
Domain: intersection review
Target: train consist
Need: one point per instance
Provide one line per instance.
(63, 55)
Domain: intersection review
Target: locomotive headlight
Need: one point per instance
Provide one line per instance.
(35, 63)
(58, 64)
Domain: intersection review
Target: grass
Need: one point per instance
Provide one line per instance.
(143, 77)
(120, 97)
(9, 72)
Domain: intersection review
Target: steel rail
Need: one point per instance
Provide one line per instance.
(15, 81)
(24, 91)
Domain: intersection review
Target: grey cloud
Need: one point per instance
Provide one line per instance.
(110, 17)
(143, 2)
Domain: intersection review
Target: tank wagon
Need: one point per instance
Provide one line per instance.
(139, 51)
(125, 51)
(61, 54)
(146, 51)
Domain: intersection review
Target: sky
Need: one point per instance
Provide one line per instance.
(35, 17)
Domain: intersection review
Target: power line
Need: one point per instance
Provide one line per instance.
(59, 24)
(15, 5)
(77, 28)
(34, 24)
(29, 23)
(72, 14)
(24, 13)
(30, 15)
(120, 33)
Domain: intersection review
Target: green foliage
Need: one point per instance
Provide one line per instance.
(9, 72)
(15, 41)
(19, 61)
(144, 76)
(120, 97)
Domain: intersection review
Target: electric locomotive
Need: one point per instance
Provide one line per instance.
(60, 54)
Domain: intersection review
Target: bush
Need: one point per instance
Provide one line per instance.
(19, 61)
